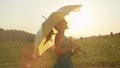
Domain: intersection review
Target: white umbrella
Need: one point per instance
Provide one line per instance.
(48, 25)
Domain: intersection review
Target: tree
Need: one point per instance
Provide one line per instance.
(111, 34)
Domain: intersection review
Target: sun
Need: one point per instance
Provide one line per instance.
(77, 22)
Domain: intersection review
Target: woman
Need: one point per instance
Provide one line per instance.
(63, 47)
(61, 50)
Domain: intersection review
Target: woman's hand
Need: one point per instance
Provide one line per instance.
(76, 49)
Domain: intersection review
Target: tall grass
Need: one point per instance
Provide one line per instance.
(10, 53)
(101, 52)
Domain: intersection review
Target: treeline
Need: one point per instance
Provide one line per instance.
(18, 35)
(15, 35)
(111, 35)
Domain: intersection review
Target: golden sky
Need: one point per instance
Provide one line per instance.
(97, 16)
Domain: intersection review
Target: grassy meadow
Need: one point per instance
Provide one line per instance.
(11, 53)
(101, 52)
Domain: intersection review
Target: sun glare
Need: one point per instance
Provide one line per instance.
(77, 22)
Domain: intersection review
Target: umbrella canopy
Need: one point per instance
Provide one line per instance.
(48, 25)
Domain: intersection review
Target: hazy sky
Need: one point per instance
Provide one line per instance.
(103, 16)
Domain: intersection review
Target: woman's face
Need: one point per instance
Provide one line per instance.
(61, 26)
